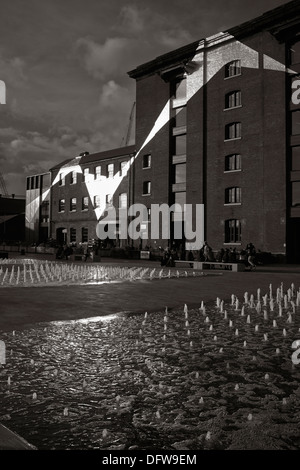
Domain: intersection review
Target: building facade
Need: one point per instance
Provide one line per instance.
(84, 192)
(37, 211)
(224, 132)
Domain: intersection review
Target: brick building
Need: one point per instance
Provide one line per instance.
(84, 190)
(226, 132)
(217, 125)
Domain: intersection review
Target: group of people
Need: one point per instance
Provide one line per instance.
(227, 255)
(64, 252)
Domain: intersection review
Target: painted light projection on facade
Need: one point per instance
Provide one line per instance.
(200, 69)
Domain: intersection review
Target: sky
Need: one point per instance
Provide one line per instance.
(65, 66)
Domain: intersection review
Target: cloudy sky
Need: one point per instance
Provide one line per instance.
(65, 64)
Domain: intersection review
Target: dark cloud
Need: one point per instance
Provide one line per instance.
(65, 67)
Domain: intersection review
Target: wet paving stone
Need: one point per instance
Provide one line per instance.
(220, 376)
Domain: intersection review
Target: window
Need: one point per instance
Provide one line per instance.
(123, 168)
(123, 200)
(180, 173)
(73, 235)
(61, 205)
(73, 179)
(180, 144)
(232, 162)
(28, 183)
(147, 161)
(86, 175)
(296, 193)
(180, 117)
(180, 89)
(85, 203)
(73, 204)
(233, 195)
(45, 211)
(84, 235)
(233, 99)
(295, 53)
(109, 199)
(32, 182)
(180, 198)
(232, 231)
(61, 180)
(233, 68)
(295, 158)
(97, 201)
(296, 122)
(110, 170)
(97, 172)
(233, 131)
(146, 187)
(37, 180)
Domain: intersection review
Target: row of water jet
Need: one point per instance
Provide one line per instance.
(42, 273)
(262, 314)
(276, 307)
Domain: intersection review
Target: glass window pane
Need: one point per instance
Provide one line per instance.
(180, 145)
(110, 170)
(296, 193)
(180, 117)
(180, 198)
(123, 200)
(180, 89)
(296, 159)
(296, 123)
(97, 201)
(123, 168)
(147, 161)
(98, 172)
(180, 173)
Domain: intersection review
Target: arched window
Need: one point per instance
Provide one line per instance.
(233, 68)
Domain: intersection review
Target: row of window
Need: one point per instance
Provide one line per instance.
(84, 235)
(87, 176)
(110, 173)
(233, 130)
(38, 181)
(232, 232)
(96, 202)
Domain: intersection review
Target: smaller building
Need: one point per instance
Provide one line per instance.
(85, 192)
(37, 220)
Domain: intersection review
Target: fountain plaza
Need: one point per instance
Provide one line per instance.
(126, 355)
